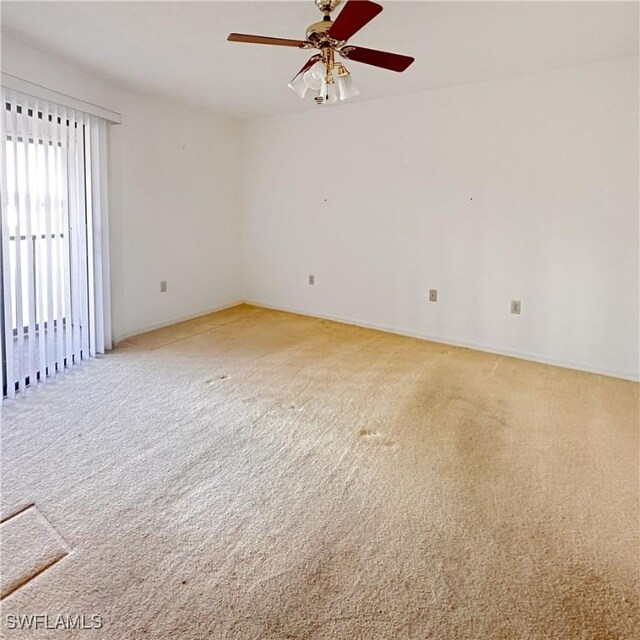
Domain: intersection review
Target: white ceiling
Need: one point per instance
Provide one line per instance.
(179, 49)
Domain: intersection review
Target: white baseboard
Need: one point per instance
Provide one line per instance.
(522, 355)
(177, 320)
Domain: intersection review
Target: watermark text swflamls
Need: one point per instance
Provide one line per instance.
(66, 622)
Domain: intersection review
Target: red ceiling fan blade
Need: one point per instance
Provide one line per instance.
(354, 15)
(281, 42)
(307, 65)
(383, 59)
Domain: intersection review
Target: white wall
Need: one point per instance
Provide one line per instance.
(175, 197)
(523, 188)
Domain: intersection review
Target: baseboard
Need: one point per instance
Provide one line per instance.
(521, 355)
(177, 320)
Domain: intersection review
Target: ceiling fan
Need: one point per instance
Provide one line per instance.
(330, 37)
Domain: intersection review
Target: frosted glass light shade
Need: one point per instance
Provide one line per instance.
(346, 87)
(299, 86)
(314, 76)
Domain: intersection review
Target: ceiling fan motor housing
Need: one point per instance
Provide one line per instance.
(317, 31)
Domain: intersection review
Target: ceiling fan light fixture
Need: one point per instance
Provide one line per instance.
(299, 86)
(346, 87)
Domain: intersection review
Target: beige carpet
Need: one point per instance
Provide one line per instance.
(256, 474)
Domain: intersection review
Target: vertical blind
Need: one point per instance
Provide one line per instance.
(55, 261)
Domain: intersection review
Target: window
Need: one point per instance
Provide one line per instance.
(55, 303)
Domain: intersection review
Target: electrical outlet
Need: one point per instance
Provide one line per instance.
(312, 279)
(163, 286)
(433, 295)
(516, 306)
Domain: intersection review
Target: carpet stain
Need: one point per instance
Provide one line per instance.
(212, 380)
(376, 438)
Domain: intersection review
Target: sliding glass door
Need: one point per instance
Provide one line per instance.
(53, 240)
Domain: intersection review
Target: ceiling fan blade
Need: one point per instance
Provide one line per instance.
(281, 42)
(308, 64)
(354, 15)
(383, 59)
